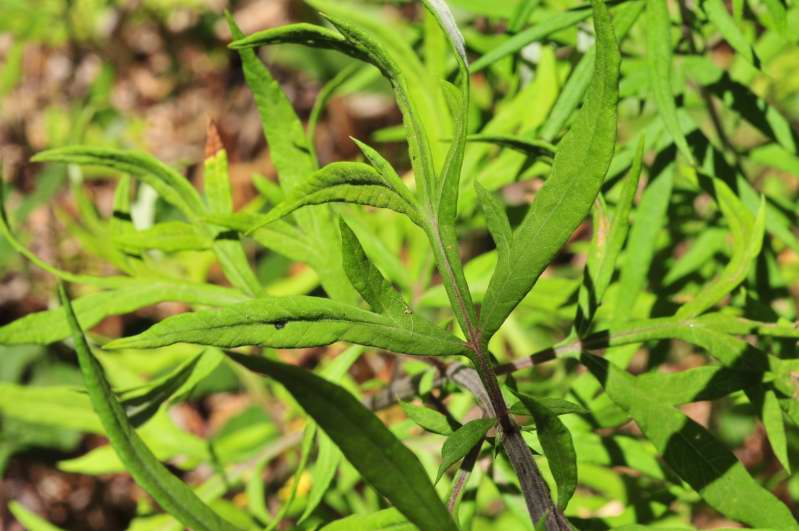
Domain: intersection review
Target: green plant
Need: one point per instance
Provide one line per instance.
(477, 308)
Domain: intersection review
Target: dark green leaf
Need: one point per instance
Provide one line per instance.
(378, 455)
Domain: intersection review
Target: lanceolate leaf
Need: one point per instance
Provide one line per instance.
(378, 455)
(577, 173)
(606, 246)
(293, 322)
(531, 148)
(747, 232)
(429, 419)
(558, 447)
(170, 185)
(717, 12)
(169, 236)
(51, 325)
(29, 519)
(531, 34)
(461, 442)
(387, 519)
(346, 182)
(659, 67)
(171, 493)
(692, 452)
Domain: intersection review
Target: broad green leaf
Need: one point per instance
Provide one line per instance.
(717, 12)
(531, 34)
(747, 232)
(170, 185)
(429, 419)
(659, 67)
(49, 326)
(170, 493)
(372, 449)
(692, 452)
(293, 322)
(29, 519)
(346, 182)
(387, 519)
(606, 245)
(461, 441)
(558, 446)
(169, 236)
(649, 219)
(578, 171)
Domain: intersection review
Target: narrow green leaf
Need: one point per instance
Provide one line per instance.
(387, 519)
(429, 419)
(168, 236)
(659, 67)
(386, 170)
(606, 245)
(328, 459)
(771, 414)
(556, 406)
(747, 232)
(302, 33)
(293, 322)
(29, 519)
(55, 406)
(375, 289)
(346, 182)
(141, 403)
(558, 446)
(575, 87)
(171, 493)
(532, 34)
(497, 223)
(532, 148)
(649, 219)
(170, 185)
(692, 452)
(43, 328)
(578, 171)
(378, 455)
(717, 12)
(461, 442)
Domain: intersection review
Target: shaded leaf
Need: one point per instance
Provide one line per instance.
(692, 452)
(168, 236)
(461, 442)
(429, 419)
(386, 519)
(378, 455)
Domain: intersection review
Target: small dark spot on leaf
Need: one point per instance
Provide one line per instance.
(279, 325)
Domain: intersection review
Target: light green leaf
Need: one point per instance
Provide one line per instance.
(747, 232)
(49, 326)
(692, 452)
(659, 67)
(170, 493)
(717, 12)
(575, 87)
(169, 236)
(532, 34)
(530, 147)
(461, 442)
(302, 33)
(578, 171)
(29, 519)
(378, 455)
(606, 245)
(293, 322)
(497, 223)
(771, 414)
(56, 406)
(328, 459)
(170, 185)
(387, 519)
(558, 446)
(429, 419)
(649, 219)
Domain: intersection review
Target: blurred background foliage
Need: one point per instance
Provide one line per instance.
(150, 74)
